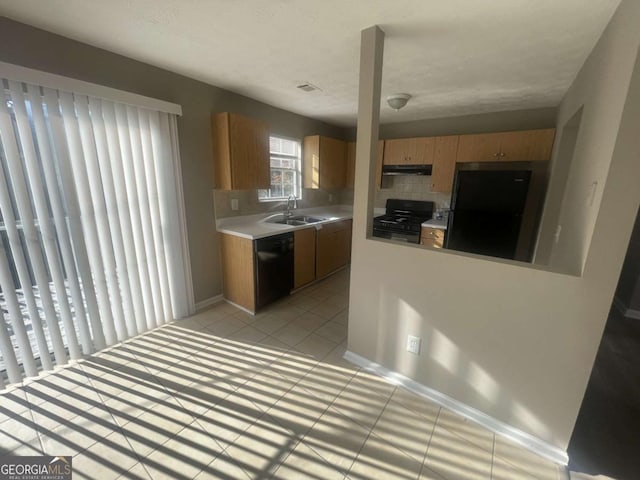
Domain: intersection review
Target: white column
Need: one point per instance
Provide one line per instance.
(371, 53)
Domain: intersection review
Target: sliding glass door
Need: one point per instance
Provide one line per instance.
(90, 249)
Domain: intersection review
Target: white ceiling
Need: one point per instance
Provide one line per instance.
(455, 57)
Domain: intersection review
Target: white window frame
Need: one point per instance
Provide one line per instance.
(297, 170)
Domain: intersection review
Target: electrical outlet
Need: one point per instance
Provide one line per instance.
(413, 344)
(234, 204)
(331, 198)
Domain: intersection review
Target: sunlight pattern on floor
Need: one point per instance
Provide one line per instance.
(227, 395)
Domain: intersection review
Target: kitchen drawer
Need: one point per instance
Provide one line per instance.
(432, 237)
(335, 226)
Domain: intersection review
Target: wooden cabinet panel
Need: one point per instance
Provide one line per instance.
(409, 151)
(304, 254)
(311, 162)
(527, 146)
(351, 164)
(399, 151)
(425, 150)
(238, 271)
(241, 152)
(324, 162)
(350, 179)
(333, 247)
(333, 162)
(432, 237)
(444, 163)
(379, 162)
(483, 147)
(521, 146)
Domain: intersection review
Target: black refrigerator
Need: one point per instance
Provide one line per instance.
(486, 211)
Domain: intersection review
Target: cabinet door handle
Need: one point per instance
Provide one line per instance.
(496, 154)
(502, 155)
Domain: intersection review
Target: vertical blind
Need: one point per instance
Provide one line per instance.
(90, 243)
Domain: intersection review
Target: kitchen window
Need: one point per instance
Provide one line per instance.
(286, 176)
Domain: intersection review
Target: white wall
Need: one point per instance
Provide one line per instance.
(515, 342)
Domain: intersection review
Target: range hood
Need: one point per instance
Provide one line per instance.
(406, 169)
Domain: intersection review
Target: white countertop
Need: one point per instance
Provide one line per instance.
(436, 223)
(256, 226)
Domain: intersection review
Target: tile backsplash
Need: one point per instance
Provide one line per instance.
(410, 187)
(248, 203)
(406, 187)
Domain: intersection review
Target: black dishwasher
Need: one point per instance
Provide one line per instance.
(274, 268)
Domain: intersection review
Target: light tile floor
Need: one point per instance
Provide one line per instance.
(227, 395)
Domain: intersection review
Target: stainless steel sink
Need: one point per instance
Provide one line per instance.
(295, 220)
(290, 221)
(306, 219)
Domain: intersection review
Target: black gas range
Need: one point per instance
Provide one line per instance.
(402, 220)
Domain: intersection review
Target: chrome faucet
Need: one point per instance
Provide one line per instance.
(287, 210)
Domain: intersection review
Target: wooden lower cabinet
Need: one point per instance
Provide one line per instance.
(333, 247)
(316, 254)
(304, 255)
(238, 270)
(432, 237)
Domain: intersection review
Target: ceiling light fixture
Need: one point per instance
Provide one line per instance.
(398, 100)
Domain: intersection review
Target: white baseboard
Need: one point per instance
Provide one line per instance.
(208, 302)
(626, 312)
(525, 439)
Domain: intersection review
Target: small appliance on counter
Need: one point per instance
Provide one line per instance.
(402, 220)
(486, 211)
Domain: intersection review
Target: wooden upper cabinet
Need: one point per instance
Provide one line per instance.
(444, 163)
(324, 162)
(241, 152)
(521, 146)
(379, 160)
(350, 179)
(528, 145)
(484, 147)
(409, 151)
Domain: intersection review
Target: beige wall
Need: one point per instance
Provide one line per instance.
(515, 342)
(31, 47)
(597, 95)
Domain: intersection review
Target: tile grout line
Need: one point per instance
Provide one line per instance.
(33, 419)
(493, 456)
(426, 452)
(119, 429)
(320, 416)
(355, 459)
